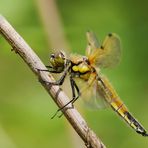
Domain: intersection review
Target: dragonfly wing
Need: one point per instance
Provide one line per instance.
(92, 95)
(107, 55)
(92, 43)
(110, 54)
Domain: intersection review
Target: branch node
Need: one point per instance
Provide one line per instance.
(14, 49)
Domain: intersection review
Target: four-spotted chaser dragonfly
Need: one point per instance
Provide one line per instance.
(87, 70)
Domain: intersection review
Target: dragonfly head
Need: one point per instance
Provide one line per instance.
(57, 60)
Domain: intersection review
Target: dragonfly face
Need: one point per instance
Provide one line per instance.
(96, 87)
(58, 61)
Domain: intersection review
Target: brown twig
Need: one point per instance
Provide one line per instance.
(32, 60)
(52, 22)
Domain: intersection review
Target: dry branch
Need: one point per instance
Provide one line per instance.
(32, 60)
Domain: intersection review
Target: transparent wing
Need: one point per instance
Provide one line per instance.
(92, 95)
(107, 55)
(92, 43)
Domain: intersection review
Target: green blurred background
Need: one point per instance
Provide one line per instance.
(26, 108)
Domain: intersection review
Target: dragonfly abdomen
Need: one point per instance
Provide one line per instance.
(121, 109)
(135, 124)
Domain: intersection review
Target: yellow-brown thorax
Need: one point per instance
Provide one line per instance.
(81, 67)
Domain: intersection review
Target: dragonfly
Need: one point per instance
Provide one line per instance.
(86, 79)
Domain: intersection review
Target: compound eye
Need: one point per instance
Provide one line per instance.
(61, 55)
(52, 56)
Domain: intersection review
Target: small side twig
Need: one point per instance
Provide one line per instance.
(32, 60)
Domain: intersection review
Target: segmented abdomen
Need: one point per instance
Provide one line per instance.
(118, 106)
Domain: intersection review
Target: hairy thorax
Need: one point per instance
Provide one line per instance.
(80, 67)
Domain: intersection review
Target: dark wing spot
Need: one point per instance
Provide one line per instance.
(88, 31)
(110, 34)
(102, 47)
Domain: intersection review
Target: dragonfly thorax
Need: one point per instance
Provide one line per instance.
(81, 67)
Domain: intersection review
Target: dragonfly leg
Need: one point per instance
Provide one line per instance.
(74, 87)
(58, 82)
(64, 108)
(47, 70)
(48, 66)
(74, 97)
